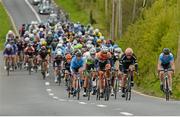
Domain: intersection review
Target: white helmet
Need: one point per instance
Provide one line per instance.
(101, 37)
(89, 46)
(104, 49)
(61, 41)
(75, 42)
(31, 35)
(93, 51)
(96, 30)
(49, 33)
(59, 45)
(59, 53)
(27, 33)
(8, 46)
(118, 50)
(26, 39)
(34, 31)
(10, 32)
(75, 25)
(41, 29)
(89, 42)
(79, 33)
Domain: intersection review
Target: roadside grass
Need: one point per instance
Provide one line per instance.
(5, 25)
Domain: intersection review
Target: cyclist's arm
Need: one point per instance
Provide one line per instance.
(159, 65)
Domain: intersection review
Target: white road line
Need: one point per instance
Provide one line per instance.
(82, 102)
(139, 93)
(62, 100)
(126, 113)
(55, 97)
(34, 11)
(102, 106)
(51, 94)
(47, 83)
(48, 90)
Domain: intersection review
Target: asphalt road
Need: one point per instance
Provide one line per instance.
(23, 94)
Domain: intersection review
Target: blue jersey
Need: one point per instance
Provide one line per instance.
(75, 64)
(166, 59)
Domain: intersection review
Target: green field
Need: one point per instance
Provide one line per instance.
(5, 25)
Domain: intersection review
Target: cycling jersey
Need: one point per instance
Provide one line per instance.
(125, 63)
(43, 54)
(76, 64)
(165, 60)
(8, 52)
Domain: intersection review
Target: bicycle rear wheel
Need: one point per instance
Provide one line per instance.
(128, 90)
(29, 67)
(115, 88)
(8, 67)
(167, 91)
(78, 89)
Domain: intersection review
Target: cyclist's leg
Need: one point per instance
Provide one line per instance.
(101, 82)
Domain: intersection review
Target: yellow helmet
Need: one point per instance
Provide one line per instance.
(44, 43)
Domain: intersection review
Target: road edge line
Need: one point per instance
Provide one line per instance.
(33, 10)
(145, 95)
(11, 19)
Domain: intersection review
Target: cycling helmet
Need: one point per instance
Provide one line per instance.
(79, 53)
(101, 37)
(117, 50)
(68, 57)
(10, 32)
(92, 51)
(34, 31)
(59, 45)
(99, 41)
(26, 39)
(49, 33)
(166, 51)
(104, 50)
(26, 32)
(111, 49)
(8, 46)
(41, 29)
(59, 53)
(129, 51)
(31, 35)
(96, 30)
(79, 34)
(43, 43)
(89, 46)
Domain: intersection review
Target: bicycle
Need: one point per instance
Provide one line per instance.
(29, 64)
(69, 83)
(166, 83)
(107, 88)
(43, 69)
(78, 87)
(116, 82)
(128, 85)
(8, 66)
(88, 73)
(59, 74)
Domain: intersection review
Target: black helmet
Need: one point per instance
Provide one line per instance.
(166, 51)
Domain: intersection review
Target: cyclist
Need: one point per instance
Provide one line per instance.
(67, 64)
(166, 61)
(115, 64)
(43, 54)
(7, 53)
(103, 63)
(58, 62)
(77, 66)
(90, 65)
(29, 53)
(128, 59)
